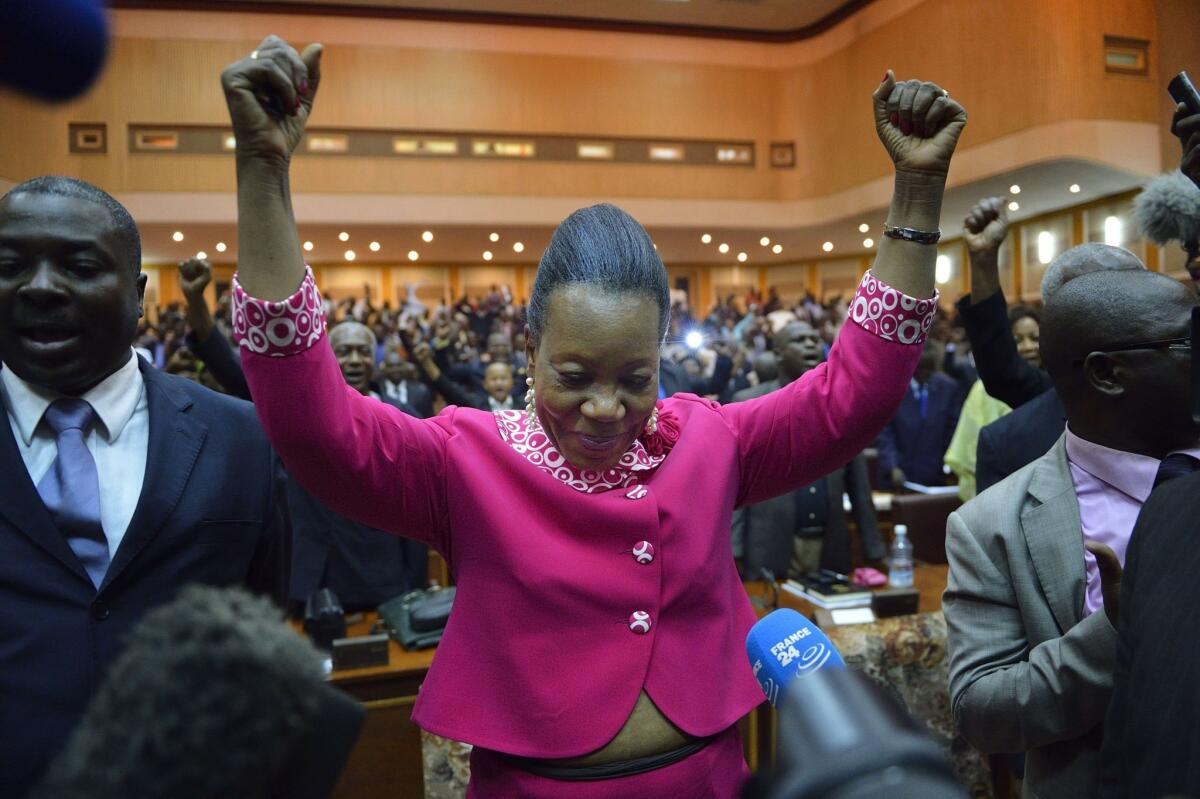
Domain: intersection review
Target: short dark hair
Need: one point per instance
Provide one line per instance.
(1019, 312)
(127, 231)
(604, 247)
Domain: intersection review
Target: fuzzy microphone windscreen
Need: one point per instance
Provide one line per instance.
(211, 692)
(1169, 210)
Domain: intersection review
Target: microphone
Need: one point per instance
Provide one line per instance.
(1169, 210)
(784, 646)
(52, 49)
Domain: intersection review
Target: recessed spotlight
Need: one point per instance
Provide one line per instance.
(742, 257)
(778, 248)
(518, 247)
(344, 236)
(494, 237)
(706, 239)
(1074, 188)
(349, 255)
(1014, 206)
(220, 246)
(413, 255)
(177, 235)
(487, 255)
(1014, 189)
(202, 255)
(827, 246)
(308, 245)
(723, 247)
(427, 236)
(765, 241)
(864, 227)
(868, 243)
(373, 246)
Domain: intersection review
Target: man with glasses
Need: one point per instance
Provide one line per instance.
(1150, 734)
(1035, 562)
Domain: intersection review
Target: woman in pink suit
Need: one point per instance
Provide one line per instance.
(596, 648)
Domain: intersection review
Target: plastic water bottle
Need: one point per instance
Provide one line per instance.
(900, 567)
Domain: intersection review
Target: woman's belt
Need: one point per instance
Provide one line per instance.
(607, 771)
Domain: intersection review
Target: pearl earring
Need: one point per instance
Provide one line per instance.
(652, 423)
(531, 414)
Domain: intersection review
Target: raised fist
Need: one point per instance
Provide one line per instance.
(270, 95)
(918, 123)
(1186, 126)
(986, 225)
(194, 277)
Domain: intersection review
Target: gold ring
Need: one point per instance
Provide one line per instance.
(254, 55)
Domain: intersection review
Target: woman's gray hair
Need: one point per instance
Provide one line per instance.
(605, 247)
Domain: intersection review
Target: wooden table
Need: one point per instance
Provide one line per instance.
(928, 578)
(386, 761)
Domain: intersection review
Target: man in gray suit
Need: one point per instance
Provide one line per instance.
(1031, 638)
(805, 530)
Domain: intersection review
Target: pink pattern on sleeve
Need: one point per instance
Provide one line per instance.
(277, 329)
(880, 309)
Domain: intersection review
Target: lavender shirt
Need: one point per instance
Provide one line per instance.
(1111, 486)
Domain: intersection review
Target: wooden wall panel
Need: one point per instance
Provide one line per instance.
(1016, 65)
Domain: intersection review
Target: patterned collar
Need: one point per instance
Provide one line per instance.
(531, 442)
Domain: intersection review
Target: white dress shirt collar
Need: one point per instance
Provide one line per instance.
(114, 399)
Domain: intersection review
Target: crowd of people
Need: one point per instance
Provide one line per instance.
(587, 458)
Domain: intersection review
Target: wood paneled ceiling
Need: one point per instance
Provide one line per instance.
(755, 20)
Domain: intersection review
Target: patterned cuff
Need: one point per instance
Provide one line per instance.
(287, 327)
(880, 309)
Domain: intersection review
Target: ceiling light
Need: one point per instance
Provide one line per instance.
(1014, 206)
(349, 255)
(344, 236)
(518, 247)
(827, 246)
(742, 257)
(864, 227)
(1014, 189)
(203, 256)
(487, 255)
(943, 269)
(723, 247)
(308, 245)
(868, 243)
(494, 237)
(778, 248)
(177, 235)
(1074, 188)
(220, 246)
(374, 246)
(706, 239)
(427, 236)
(413, 255)
(765, 241)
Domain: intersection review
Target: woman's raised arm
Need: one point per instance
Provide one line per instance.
(270, 97)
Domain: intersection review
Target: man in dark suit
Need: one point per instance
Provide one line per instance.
(1150, 734)
(401, 383)
(362, 565)
(913, 445)
(805, 530)
(1028, 432)
(117, 486)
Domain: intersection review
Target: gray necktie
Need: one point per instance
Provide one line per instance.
(71, 489)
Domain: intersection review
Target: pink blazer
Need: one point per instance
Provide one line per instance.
(576, 590)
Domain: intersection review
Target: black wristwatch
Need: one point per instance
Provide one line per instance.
(911, 234)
